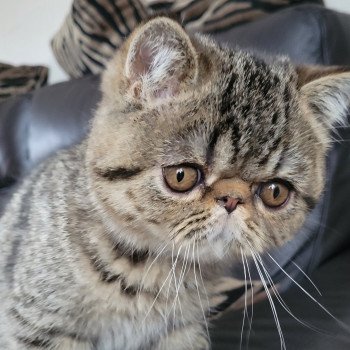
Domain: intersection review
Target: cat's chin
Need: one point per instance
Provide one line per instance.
(216, 251)
(221, 243)
(217, 245)
(213, 248)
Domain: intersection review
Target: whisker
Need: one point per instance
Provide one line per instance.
(307, 277)
(245, 299)
(252, 299)
(272, 304)
(342, 324)
(162, 286)
(201, 277)
(180, 307)
(149, 268)
(199, 297)
(171, 279)
(283, 303)
(181, 276)
(175, 288)
(183, 321)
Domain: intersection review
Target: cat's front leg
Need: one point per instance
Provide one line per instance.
(189, 337)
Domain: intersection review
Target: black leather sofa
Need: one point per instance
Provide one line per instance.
(36, 125)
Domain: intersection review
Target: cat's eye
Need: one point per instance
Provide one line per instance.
(274, 193)
(181, 178)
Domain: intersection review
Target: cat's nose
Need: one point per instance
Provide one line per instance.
(229, 203)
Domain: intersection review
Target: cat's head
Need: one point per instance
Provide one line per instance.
(200, 147)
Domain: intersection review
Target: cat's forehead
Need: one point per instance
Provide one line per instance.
(255, 105)
(240, 75)
(244, 118)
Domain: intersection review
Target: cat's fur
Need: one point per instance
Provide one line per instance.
(97, 253)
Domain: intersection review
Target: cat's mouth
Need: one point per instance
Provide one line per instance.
(218, 238)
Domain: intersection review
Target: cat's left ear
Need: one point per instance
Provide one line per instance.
(326, 91)
(160, 60)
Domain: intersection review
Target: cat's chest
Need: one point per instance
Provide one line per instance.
(129, 334)
(125, 313)
(144, 326)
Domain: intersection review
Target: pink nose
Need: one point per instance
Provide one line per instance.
(229, 203)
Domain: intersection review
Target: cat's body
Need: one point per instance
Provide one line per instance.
(75, 282)
(195, 151)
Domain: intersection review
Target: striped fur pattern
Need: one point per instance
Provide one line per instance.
(96, 252)
(20, 80)
(94, 29)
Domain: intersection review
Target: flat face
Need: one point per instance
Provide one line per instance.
(228, 162)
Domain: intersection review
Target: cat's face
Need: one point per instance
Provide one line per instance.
(199, 148)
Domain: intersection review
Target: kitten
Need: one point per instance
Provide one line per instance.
(196, 153)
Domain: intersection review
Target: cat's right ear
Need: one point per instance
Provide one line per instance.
(326, 92)
(159, 60)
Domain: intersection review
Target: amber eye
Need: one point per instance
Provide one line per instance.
(274, 193)
(181, 178)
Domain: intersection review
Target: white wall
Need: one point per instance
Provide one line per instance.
(339, 5)
(26, 28)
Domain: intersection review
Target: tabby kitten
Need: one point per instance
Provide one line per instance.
(196, 153)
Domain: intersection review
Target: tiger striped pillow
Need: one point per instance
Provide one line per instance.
(94, 29)
(21, 79)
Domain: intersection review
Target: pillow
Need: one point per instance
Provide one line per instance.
(208, 16)
(21, 79)
(94, 29)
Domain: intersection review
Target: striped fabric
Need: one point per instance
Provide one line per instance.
(20, 80)
(209, 16)
(94, 29)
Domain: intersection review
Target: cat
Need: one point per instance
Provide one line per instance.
(196, 154)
